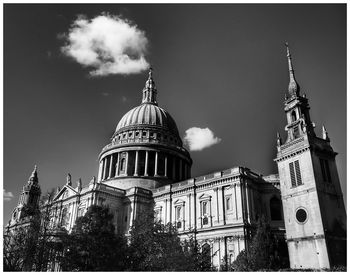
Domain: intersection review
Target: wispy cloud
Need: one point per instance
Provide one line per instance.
(199, 138)
(107, 44)
(124, 99)
(7, 196)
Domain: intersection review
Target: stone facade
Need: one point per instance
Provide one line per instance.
(145, 165)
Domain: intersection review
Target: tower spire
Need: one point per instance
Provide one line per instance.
(33, 179)
(293, 87)
(149, 92)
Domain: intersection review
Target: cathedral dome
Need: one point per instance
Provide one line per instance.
(146, 148)
(147, 115)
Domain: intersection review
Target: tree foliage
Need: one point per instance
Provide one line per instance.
(158, 247)
(93, 244)
(27, 246)
(265, 251)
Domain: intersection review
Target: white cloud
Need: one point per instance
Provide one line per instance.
(7, 196)
(199, 138)
(107, 44)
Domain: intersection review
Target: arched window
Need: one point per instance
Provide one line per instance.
(294, 116)
(275, 209)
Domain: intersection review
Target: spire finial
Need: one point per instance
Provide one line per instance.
(150, 71)
(150, 90)
(293, 87)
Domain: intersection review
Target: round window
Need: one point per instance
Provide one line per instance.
(301, 215)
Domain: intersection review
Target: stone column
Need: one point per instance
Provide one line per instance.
(100, 171)
(239, 202)
(217, 204)
(136, 163)
(234, 202)
(221, 204)
(126, 163)
(117, 166)
(165, 166)
(103, 169)
(188, 218)
(156, 165)
(110, 167)
(166, 212)
(247, 200)
(106, 168)
(146, 164)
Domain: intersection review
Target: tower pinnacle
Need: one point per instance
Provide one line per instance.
(33, 179)
(325, 133)
(149, 93)
(293, 87)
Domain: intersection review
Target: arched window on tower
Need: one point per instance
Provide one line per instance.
(275, 209)
(294, 116)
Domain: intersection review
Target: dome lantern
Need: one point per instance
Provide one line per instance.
(149, 93)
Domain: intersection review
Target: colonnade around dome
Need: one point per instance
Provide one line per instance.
(144, 163)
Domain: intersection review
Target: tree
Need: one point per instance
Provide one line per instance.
(154, 246)
(93, 244)
(26, 245)
(265, 251)
(196, 258)
(158, 247)
(19, 243)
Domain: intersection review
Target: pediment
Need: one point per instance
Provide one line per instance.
(66, 192)
(179, 201)
(204, 196)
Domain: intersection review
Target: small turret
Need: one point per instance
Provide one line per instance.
(69, 180)
(279, 140)
(325, 133)
(79, 185)
(92, 182)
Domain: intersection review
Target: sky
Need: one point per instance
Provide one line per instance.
(218, 68)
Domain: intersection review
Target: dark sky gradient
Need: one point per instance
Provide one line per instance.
(217, 66)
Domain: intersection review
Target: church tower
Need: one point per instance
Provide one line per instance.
(29, 199)
(313, 205)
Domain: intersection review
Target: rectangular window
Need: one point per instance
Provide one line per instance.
(178, 212)
(204, 208)
(295, 174)
(228, 203)
(326, 175)
(292, 174)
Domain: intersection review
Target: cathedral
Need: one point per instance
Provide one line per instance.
(146, 166)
